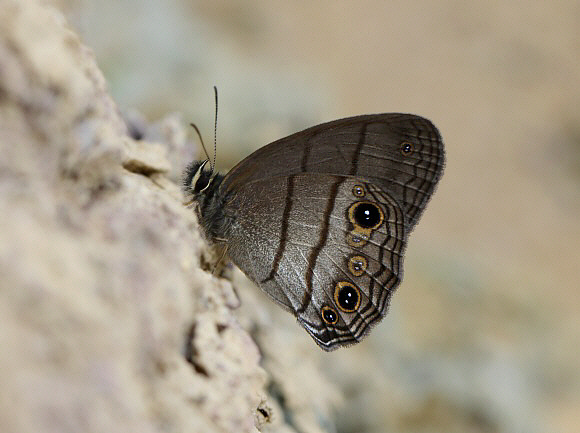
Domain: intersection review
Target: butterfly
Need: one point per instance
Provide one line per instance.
(319, 220)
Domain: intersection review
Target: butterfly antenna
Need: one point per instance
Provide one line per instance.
(215, 92)
(194, 126)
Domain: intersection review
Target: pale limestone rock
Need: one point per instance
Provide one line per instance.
(108, 321)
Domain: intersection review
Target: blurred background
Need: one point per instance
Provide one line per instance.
(483, 334)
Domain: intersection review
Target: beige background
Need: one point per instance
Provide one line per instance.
(483, 333)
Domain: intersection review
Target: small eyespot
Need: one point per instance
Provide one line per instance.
(357, 265)
(346, 296)
(367, 215)
(358, 191)
(406, 148)
(329, 315)
(357, 239)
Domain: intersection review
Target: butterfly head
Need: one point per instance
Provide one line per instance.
(197, 179)
(201, 186)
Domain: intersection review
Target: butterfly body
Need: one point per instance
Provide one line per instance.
(320, 219)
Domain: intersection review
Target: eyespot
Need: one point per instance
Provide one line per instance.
(357, 265)
(358, 191)
(357, 238)
(346, 296)
(366, 215)
(407, 148)
(329, 315)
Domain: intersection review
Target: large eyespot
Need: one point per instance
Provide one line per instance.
(329, 315)
(346, 296)
(407, 148)
(357, 265)
(358, 191)
(366, 215)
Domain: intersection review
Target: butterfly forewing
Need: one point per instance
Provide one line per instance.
(401, 153)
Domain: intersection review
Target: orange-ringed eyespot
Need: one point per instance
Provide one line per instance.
(358, 191)
(329, 315)
(346, 296)
(357, 265)
(367, 215)
(358, 238)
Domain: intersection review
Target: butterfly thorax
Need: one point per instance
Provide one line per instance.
(201, 187)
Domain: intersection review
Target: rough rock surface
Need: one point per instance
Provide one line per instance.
(109, 323)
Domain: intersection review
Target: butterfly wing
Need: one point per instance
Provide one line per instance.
(399, 153)
(304, 240)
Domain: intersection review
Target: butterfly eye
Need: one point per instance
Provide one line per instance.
(406, 148)
(196, 178)
(329, 315)
(202, 183)
(347, 296)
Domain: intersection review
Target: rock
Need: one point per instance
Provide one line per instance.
(109, 322)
